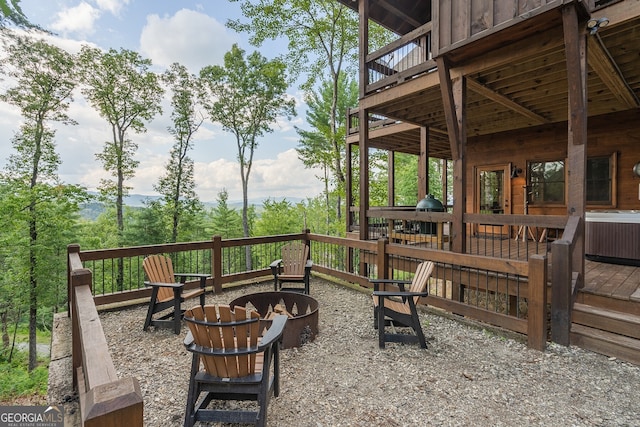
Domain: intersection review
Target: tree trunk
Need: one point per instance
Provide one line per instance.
(33, 288)
(4, 324)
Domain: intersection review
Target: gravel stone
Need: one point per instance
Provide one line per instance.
(469, 374)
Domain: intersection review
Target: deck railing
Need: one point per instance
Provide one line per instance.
(567, 278)
(498, 236)
(400, 60)
(105, 399)
(507, 293)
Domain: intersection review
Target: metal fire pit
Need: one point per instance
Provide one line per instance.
(300, 329)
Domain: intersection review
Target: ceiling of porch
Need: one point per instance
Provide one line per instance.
(516, 85)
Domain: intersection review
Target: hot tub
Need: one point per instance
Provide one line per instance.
(613, 236)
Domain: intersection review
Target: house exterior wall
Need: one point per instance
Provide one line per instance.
(616, 132)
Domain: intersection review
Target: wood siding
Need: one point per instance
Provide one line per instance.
(459, 21)
(617, 133)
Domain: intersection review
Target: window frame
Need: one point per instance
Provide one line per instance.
(613, 173)
(530, 188)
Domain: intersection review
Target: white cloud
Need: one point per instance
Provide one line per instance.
(112, 6)
(188, 37)
(79, 19)
(283, 176)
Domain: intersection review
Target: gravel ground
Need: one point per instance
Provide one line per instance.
(469, 375)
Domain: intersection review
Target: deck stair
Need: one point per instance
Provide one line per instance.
(607, 331)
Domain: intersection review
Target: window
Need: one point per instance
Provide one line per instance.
(600, 182)
(546, 182)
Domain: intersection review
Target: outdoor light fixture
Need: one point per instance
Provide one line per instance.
(636, 169)
(595, 24)
(515, 172)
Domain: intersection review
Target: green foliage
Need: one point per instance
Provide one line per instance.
(16, 380)
(278, 218)
(324, 146)
(11, 13)
(122, 89)
(39, 209)
(225, 222)
(177, 185)
(145, 226)
(246, 96)
(406, 168)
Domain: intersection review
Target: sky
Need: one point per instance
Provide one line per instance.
(189, 32)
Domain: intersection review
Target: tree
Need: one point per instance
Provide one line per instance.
(177, 184)
(278, 218)
(246, 96)
(316, 147)
(119, 85)
(226, 222)
(323, 39)
(45, 79)
(11, 12)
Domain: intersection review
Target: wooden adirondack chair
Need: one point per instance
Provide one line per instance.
(166, 293)
(293, 267)
(399, 307)
(235, 361)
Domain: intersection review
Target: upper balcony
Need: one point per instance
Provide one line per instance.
(512, 54)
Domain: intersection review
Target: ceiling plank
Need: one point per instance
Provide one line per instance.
(602, 63)
(399, 14)
(503, 100)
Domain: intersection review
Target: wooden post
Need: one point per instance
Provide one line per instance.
(364, 173)
(575, 40)
(216, 264)
(78, 277)
(423, 164)
(383, 259)
(537, 303)
(118, 403)
(75, 250)
(454, 99)
(561, 291)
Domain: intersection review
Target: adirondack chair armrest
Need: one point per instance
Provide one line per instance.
(164, 285)
(275, 266)
(404, 295)
(191, 346)
(377, 282)
(274, 332)
(202, 276)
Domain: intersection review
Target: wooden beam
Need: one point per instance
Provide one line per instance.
(423, 164)
(363, 36)
(417, 84)
(575, 40)
(454, 100)
(604, 66)
(480, 89)
(363, 146)
(620, 12)
(512, 53)
(449, 106)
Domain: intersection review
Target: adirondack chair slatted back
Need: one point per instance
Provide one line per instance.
(222, 332)
(159, 269)
(421, 278)
(294, 258)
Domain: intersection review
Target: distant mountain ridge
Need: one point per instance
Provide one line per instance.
(93, 209)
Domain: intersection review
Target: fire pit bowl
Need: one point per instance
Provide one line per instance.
(302, 326)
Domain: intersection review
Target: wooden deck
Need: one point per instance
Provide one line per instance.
(604, 280)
